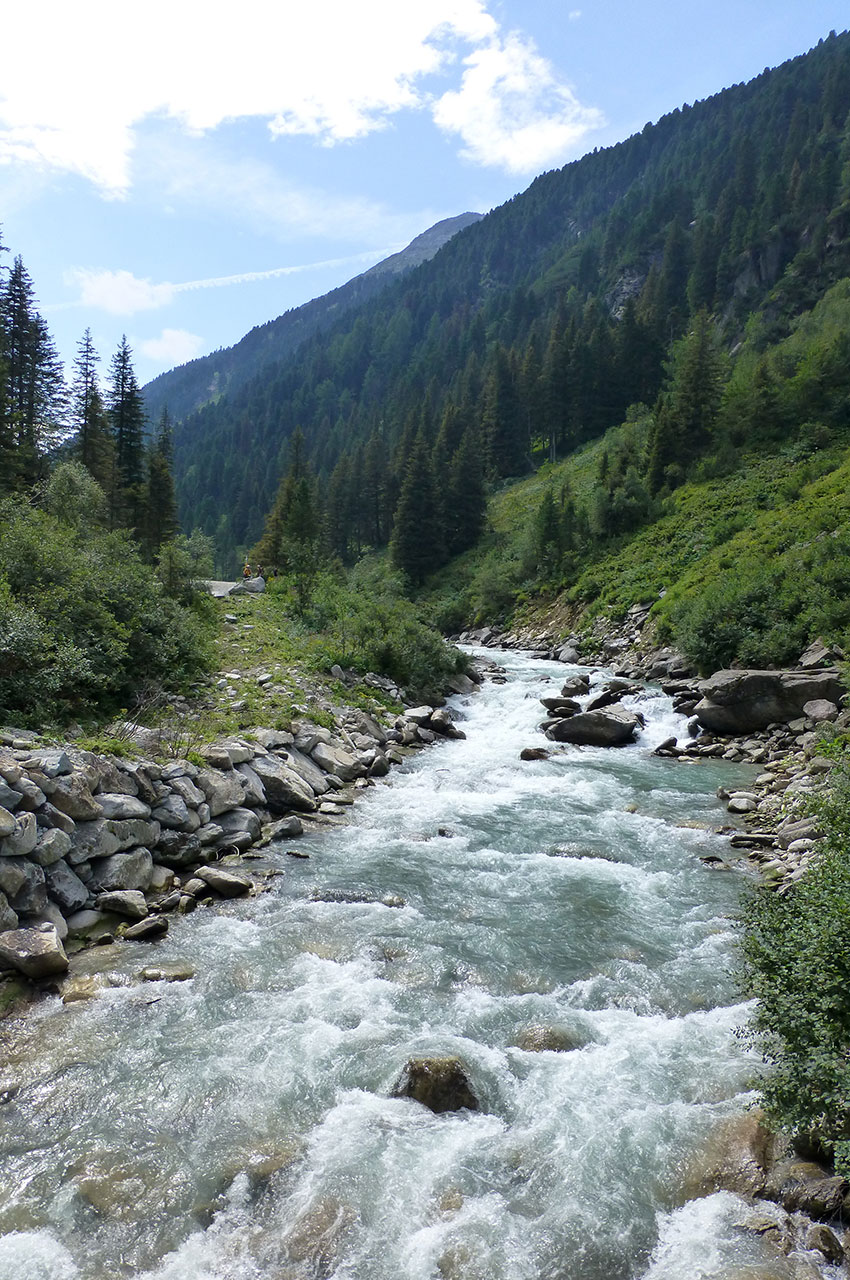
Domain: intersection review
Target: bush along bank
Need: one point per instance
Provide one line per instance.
(97, 847)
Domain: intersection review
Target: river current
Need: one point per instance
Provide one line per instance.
(240, 1125)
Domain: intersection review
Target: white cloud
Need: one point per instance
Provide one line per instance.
(122, 294)
(574, 15)
(172, 347)
(511, 111)
(331, 70)
(118, 292)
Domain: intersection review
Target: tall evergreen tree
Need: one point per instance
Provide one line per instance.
(417, 546)
(160, 523)
(93, 445)
(127, 421)
(35, 398)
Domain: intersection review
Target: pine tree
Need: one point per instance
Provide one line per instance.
(291, 539)
(34, 399)
(467, 498)
(160, 522)
(127, 421)
(417, 546)
(93, 445)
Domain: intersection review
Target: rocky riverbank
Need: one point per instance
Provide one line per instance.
(95, 848)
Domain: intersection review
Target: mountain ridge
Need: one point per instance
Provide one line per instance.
(187, 387)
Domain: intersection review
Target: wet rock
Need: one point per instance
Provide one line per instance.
(7, 821)
(82, 987)
(804, 1186)
(440, 1084)
(534, 753)
(317, 1236)
(442, 722)
(283, 829)
(226, 883)
(610, 727)
(561, 706)
(36, 953)
(823, 1238)
(124, 902)
(167, 973)
(542, 1039)
(82, 923)
(147, 930)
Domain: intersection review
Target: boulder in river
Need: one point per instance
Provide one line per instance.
(611, 727)
(440, 1084)
(36, 953)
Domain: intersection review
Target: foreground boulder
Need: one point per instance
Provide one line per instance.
(36, 953)
(440, 1084)
(737, 702)
(611, 727)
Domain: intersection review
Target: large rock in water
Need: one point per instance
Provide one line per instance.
(743, 701)
(611, 727)
(441, 1084)
(36, 953)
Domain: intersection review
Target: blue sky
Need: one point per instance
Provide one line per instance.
(182, 171)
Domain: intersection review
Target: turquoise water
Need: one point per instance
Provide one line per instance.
(239, 1126)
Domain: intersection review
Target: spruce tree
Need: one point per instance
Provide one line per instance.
(93, 445)
(127, 421)
(160, 522)
(417, 546)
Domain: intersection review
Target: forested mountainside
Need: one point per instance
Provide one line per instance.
(534, 329)
(191, 385)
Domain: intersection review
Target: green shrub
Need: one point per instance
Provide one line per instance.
(796, 952)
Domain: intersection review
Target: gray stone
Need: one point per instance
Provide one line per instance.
(217, 757)
(419, 715)
(8, 917)
(50, 915)
(12, 875)
(32, 796)
(188, 791)
(820, 710)
(272, 739)
(52, 846)
(442, 721)
(236, 820)
(238, 751)
(140, 774)
(742, 701)
(50, 818)
(9, 798)
(179, 849)
(178, 769)
(307, 735)
(122, 806)
(72, 796)
(124, 902)
(209, 833)
(7, 822)
(114, 780)
(284, 789)
(23, 839)
(342, 764)
(820, 654)
(81, 923)
(147, 930)
(306, 769)
(123, 871)
(173, 813)
(255, 792)
(222, 790)
(53, 764)
(284, 828)
(36, 953)
(31, 897)
(65, 888)
(610, 727)
(225, 883)
(101, 839)
(248, 587)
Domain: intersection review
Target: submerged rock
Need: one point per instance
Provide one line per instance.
(440, 1084)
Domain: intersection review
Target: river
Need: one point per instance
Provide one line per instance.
(240, 1125)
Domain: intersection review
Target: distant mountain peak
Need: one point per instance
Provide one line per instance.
(424, 246)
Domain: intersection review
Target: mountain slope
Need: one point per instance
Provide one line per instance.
(191, 385)
(537, 327)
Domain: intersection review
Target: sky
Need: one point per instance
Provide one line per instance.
(178, 172)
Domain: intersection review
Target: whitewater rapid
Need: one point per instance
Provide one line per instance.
(240, 1126)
